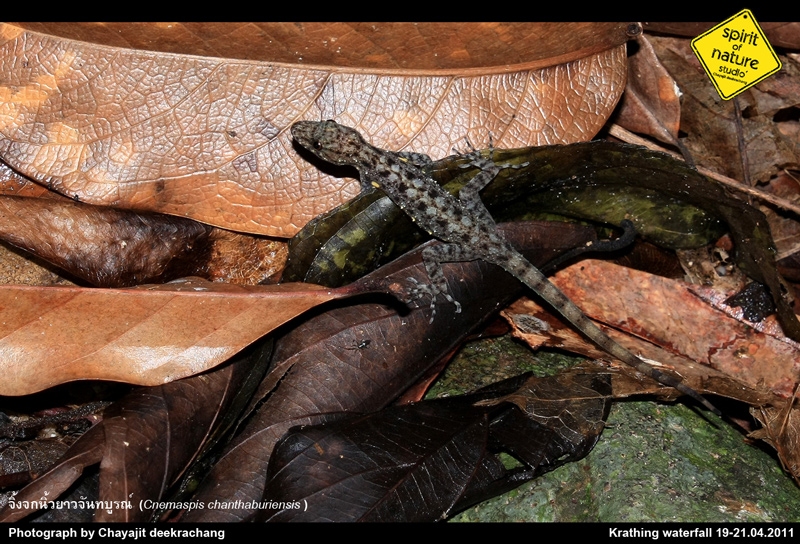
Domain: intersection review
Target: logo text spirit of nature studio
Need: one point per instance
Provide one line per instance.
(736, 54)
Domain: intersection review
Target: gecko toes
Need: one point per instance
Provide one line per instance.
(421, 290)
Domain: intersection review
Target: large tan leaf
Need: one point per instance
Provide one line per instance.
(148, 336)
(13, 184)
(208, 138)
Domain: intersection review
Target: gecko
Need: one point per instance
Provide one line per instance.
(462, 223)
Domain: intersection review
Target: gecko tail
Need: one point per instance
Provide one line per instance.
(672, 381)
(624, 355)
(609, 345)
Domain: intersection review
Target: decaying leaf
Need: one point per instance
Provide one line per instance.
(243, 259)
(730, 359)
(712, 137)
(781, 430)
(147, 336)
(571, 404)
(208, 139)
(787, 238)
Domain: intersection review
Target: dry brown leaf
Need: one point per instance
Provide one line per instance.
(651, 102)
(245, 259)
(538, 327)
(104, 246)
(669, 316)
(781, 430)
(381, 46)
(710, 122)
(109, 247)
(207, 138)
(785, 230)
(147, 336)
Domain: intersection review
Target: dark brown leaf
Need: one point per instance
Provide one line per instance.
(106, 247)
(155, 433)
(411, 463)
(573, 404)
(324, 366)
(423, 461)
(148, 438)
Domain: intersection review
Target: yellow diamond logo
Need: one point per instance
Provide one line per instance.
(736, 54)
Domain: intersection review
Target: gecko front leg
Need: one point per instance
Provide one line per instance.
(469, 195)
(473, 210)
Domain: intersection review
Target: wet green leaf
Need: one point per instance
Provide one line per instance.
(668, 202)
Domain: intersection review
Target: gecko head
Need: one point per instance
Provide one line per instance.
(329, 140)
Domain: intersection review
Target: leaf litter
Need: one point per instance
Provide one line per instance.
(357, 341)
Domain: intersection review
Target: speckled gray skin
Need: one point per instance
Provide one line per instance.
(463, 223)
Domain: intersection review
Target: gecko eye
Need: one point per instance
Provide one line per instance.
(317, 144)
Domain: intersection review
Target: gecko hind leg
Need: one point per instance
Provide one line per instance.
(422, 290)
(432, 258)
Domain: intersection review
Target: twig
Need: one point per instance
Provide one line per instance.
(737, 122)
